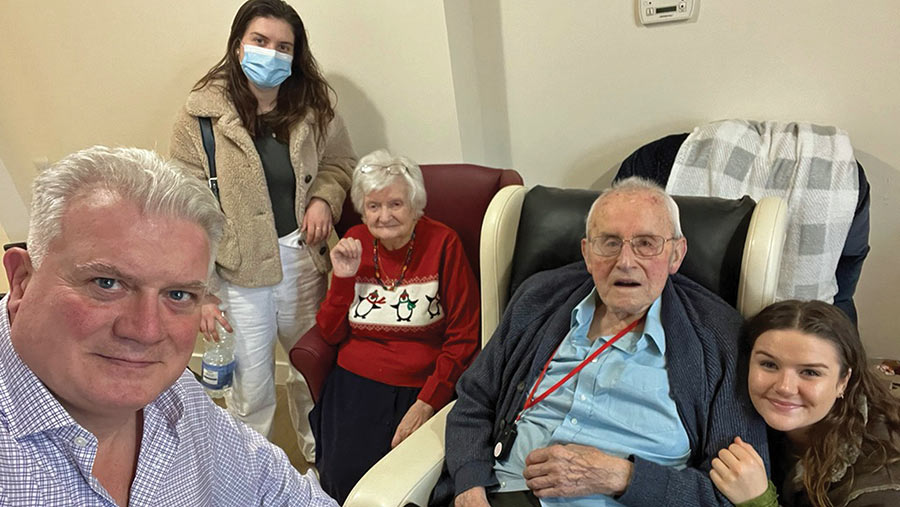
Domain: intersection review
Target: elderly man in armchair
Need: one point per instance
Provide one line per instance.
(613, 385)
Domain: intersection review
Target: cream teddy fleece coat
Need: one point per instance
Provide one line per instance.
(248, 254)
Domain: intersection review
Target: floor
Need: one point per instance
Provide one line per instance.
(282, 431)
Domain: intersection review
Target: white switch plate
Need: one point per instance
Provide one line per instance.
(663, 11)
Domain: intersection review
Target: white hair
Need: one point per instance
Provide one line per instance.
(139, 176)
(365, 183)
(638, 184)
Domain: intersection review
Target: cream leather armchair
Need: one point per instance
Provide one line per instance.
(524, 231)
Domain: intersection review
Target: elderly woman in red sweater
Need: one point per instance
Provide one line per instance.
(403, 308)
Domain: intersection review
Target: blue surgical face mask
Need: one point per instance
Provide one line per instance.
(266, 68)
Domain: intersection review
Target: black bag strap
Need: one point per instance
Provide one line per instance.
(209, 146)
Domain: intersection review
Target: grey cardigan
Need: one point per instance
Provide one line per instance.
(702, 336)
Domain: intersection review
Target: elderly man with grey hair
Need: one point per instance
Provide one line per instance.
(96, 404)
(403, 307)
(610, 385)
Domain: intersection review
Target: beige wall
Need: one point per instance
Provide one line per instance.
(4, 283)
(82, 73)
(13, 212)
(562, 91)
(389, 63)
(77, 74)
(586, 85)
(13, 216)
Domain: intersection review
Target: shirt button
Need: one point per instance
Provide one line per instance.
(503, 484)
(323, 250)
(79, 441)
(307, 179)
(574, 421)
(583, 397)
(594, 360)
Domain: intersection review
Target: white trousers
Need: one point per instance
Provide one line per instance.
(284, 311)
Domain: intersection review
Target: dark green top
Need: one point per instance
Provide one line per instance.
(276, 161)
(767, 499)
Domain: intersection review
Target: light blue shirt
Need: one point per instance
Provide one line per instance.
(618, 403)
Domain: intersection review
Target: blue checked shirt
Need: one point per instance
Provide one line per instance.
(192, 452)
(618, 403)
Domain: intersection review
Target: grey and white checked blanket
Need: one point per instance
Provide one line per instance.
(811, 167)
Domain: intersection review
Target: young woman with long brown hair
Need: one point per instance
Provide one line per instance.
(836, 428)
(283, 162)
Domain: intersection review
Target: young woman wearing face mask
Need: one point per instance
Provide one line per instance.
(835, 429)
(284, 164)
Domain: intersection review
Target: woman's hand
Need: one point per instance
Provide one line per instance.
(416, 416)
(345, 257)
(210, 313)
(316, 221)
(739, 472)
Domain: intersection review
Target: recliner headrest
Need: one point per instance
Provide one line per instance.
(552, 226)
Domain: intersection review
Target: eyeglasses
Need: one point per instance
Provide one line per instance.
(644, 246)
(392, 169)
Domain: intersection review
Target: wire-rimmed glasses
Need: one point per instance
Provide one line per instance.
(393, 169)
(645, 245)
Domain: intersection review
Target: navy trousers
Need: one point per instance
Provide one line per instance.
(353, 424)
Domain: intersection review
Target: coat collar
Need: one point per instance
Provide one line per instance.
(213, 101)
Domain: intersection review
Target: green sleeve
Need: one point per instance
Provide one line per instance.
(767, 499)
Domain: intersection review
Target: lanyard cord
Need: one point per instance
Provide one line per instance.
(531, 401)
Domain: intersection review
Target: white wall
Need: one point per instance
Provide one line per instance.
(13, 211)
(586, 85)
(94, 72)
(390, 65)
(562, 91)
(4, 282)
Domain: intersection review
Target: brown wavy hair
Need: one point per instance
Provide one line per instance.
(830, 437)
(303, 91)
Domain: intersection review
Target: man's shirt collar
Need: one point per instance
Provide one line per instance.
(653, 326)
(583, 313)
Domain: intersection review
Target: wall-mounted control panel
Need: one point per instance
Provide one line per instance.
(662, 11)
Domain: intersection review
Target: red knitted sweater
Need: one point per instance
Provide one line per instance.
(424, 333)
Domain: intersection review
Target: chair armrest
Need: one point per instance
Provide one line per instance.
(761, 262)
(498, 241)
(314, 358)
(408, 473)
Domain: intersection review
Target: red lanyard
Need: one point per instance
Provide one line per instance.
(531, 401)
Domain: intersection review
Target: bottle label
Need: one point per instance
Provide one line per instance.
(217, 376)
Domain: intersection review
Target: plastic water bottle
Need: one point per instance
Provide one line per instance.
(218, 364)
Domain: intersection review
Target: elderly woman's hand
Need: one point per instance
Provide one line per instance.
(416, 416)
(345, 257)
(316, 221)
